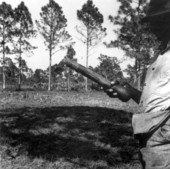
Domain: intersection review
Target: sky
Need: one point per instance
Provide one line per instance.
(40, 58)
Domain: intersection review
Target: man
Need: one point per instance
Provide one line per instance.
(152, 125)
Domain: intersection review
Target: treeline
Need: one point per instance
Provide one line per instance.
(62, 78)
(17, 28)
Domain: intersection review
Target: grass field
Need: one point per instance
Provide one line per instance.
(60, 130)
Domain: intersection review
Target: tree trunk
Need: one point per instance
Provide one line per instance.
(20, 67)
(19, 77)
(20, 51)
(139, 76)
(49, 76)
(139, 81)
(3, 62)
(68, 81)
(3, 68)
(143, 75)
(87, 58)
(136, 73)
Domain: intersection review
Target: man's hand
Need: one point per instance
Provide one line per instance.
(119, 90)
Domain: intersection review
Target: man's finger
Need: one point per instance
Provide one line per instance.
(112, 95)
(109, 90)
(114, 82)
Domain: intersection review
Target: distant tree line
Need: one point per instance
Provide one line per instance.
(16, 29)
(63, 78)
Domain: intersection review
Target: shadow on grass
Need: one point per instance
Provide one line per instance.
(84, 133)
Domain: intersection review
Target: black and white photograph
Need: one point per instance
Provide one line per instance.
(84, 84)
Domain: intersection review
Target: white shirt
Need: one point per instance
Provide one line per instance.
(155, 98)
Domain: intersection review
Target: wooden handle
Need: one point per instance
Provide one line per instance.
(87, 72)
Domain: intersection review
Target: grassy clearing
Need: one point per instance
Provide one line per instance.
(51, 130)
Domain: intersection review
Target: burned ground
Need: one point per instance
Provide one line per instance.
(67, 136)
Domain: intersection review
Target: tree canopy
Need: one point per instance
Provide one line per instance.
(134, 37)
(24, 30)
(6, 23)
(109, 67)
(52, 26)
(92, 32)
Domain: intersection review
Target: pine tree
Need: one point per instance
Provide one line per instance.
(6, 23)
(92, 31)
(134, 37)
(24, 30)
(52, 26)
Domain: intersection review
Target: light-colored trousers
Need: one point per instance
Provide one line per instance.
(156, 153)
